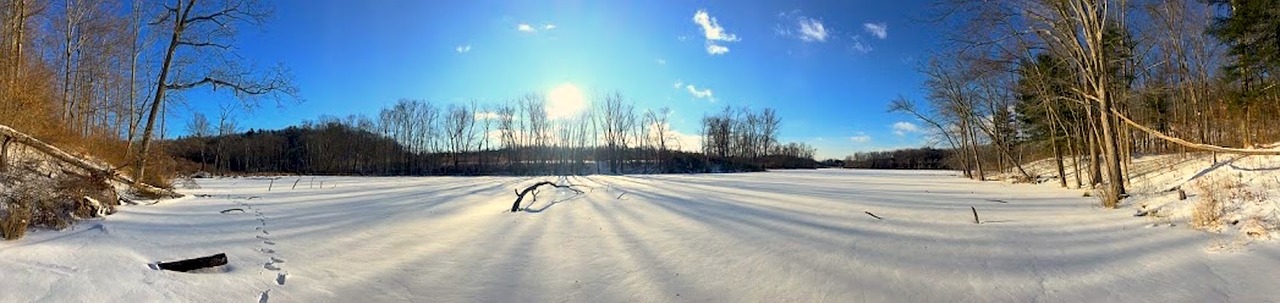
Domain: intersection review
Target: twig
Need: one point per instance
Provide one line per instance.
(975, 215)
(620, 195)
(231, 210)
(269, 185)
(873, 215)
(295, 183)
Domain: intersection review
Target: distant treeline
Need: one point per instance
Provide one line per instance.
(912, 158)
(418, 138)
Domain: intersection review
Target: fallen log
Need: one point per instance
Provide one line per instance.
(520, 194)
(194, 264)
(14, 136)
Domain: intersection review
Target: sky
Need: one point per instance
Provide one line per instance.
(828, 67)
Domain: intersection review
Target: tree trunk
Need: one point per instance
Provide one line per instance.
(158, 100)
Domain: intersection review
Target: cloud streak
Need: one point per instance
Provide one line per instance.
(715, 34)
(879, 30)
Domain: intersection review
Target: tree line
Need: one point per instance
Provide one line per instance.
(417, 137)
(908, 158)
(102, 76)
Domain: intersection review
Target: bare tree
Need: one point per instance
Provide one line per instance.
(208, 31)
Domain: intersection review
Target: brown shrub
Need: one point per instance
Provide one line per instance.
(1208, 210)
(14, 221)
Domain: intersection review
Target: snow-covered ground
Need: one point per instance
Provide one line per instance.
(760, 237)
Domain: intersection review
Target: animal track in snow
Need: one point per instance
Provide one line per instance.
(271, 266)
(277, 260)
(280, 278)
(267, 251)
(268, 242)
(262, 298)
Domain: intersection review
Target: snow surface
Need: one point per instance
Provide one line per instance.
(758, 237)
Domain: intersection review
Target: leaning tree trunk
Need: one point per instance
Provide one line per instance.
(12, 136)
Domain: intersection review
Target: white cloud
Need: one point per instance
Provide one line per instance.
(713, 32)
(660, 61)
(462, 49)
(812, 30)
(711, 28)
(793, 24)
(487, 116)
(859, 46)
(704, 93)
(524, 27)
(860, 138)
(549, 27)
(715, 49)
(679, 84)
(902, 128)
(880, 30)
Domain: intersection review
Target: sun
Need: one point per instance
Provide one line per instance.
(565, 101)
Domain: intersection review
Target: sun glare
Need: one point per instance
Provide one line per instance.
(565, 101)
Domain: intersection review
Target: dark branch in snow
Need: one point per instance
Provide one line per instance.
(527, 190)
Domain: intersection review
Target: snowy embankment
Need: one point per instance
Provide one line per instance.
(1236, 198)
(757, 237)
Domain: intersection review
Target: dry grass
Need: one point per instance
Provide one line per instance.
(1208, 210)
(14, 220)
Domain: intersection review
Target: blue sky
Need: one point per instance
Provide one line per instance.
(828, 67)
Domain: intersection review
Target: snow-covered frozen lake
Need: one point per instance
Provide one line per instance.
(798, 236)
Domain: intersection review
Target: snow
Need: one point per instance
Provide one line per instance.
(772, 236)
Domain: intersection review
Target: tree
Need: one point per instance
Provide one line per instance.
(206, 32)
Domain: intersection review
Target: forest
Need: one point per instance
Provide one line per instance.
(415, 137)
(1099, 81)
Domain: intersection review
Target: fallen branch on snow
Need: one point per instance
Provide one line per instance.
(520, 194)
(873, 215)
(975, 215)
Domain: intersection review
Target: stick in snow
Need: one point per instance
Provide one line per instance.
(873, 215)
(520, 195)
(231, 210)
(194, 264)
(975, 215)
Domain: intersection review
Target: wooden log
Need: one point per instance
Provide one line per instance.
(194, 264)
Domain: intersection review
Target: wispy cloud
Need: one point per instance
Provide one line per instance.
(660, 61)
(714, 33)
(462, 49)
(860, 46)
(812, 30)
(525, 27)
(902, 128)
(860, 138)
(679, 84)
(880, 30)
(487, 116)
(807, 29)
(549, 27)
(715, 49)
(704, 93)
